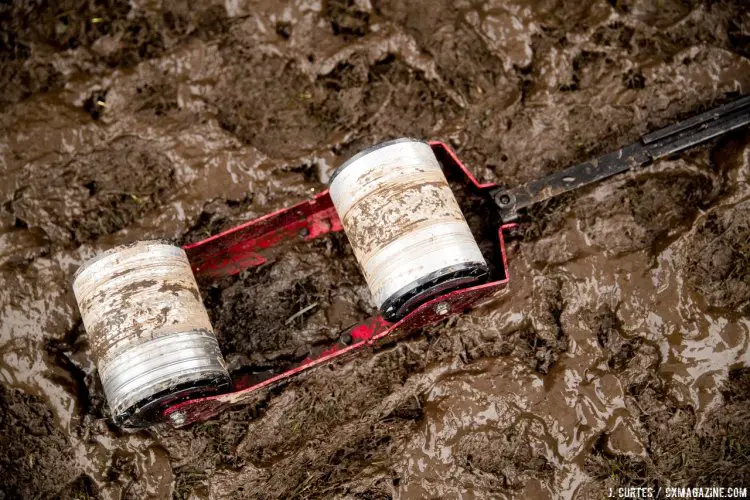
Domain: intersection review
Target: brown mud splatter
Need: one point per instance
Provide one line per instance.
(618, 356)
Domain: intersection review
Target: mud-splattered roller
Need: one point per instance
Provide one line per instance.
(151, 337)
(405, 226)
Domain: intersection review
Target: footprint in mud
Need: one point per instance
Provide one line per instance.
(373, 91)
(270, 101)
(266, 101)
(717, 258)
(93, 194)
(386, 99)
(660, 15)
(460, 49)
(539, 342)
(663, 441)
(348, 19)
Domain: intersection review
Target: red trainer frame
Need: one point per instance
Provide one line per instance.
(250, 244)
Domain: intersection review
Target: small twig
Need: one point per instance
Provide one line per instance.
(300, 313)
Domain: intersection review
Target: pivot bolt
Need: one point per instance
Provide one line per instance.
(442, 309)
(504, 199)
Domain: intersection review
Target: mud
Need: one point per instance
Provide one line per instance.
(271, 316)
(617, 356)
(36, 456)
(104, 192)
(723, 274)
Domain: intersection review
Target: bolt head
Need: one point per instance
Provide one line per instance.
(177, 418)
(504, 199)
(442, 308)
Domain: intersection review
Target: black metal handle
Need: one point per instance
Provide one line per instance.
(653, 146)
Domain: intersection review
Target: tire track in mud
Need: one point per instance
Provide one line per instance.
(246, 115)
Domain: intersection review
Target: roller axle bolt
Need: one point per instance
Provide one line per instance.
(177, 418)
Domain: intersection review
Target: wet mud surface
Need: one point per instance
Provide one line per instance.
(617, 357)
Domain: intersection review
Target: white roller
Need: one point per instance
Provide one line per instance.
(404, 224)
(149, 331)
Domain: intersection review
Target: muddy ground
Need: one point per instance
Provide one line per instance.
(617, 357)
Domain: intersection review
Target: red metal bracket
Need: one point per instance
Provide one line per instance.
(252, 243)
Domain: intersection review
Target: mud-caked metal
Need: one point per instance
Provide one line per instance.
(150, 334)
(405, 226)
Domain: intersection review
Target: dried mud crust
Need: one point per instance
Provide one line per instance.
(718, 258)
(36, 458)
(94, 194)
(307, 295)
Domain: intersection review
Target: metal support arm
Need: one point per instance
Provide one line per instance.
(659, 144)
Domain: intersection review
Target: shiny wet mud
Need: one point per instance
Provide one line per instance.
(616, 357)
